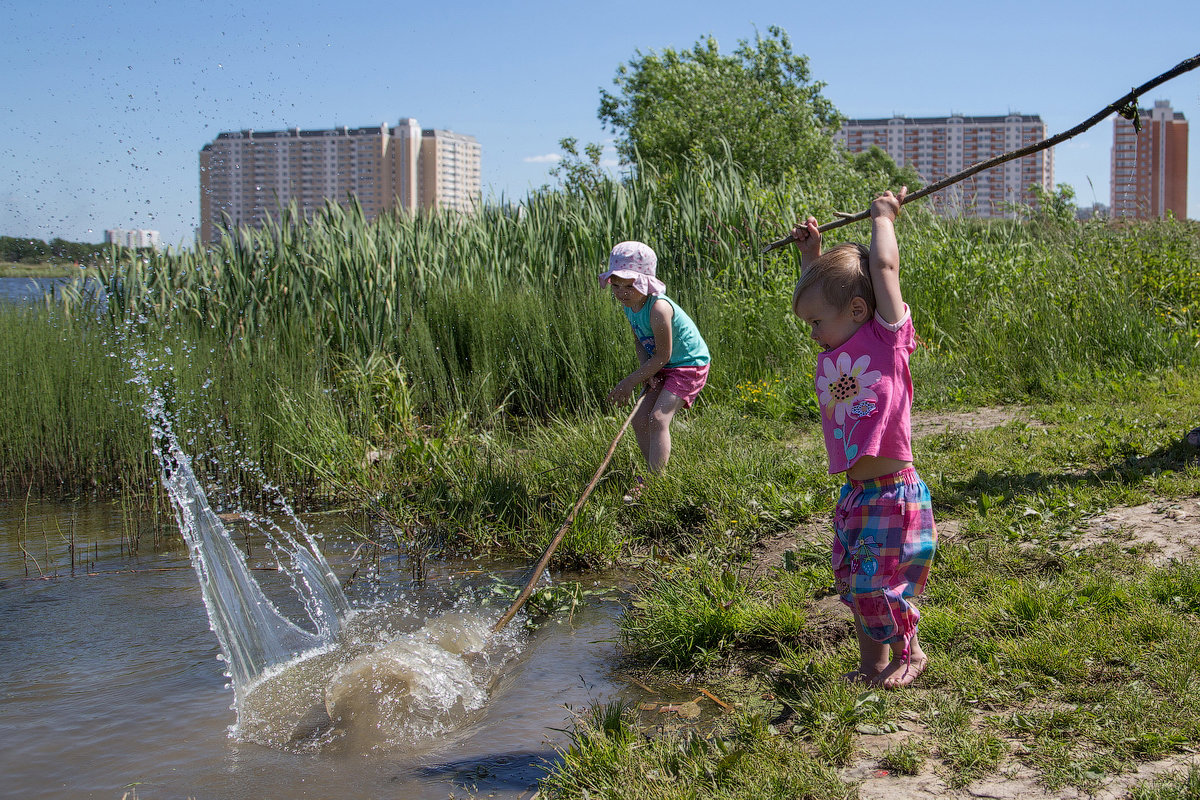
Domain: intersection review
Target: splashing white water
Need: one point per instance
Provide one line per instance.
(378, 691)
(349, 681)
(253, 634)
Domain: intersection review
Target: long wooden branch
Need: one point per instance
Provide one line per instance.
(1126, 105)
(527, 590)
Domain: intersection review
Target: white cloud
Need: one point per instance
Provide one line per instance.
(549, 158)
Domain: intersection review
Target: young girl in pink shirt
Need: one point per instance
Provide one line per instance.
(884, 534)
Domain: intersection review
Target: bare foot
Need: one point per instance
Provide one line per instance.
(901, 672)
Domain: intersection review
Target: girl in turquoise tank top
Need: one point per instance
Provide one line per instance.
(672, 355)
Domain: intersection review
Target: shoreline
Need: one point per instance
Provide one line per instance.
(9, 269)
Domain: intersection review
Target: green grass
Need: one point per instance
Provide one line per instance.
(9, 269)
(450, 372)
(1181, 787)
(408, 323)
(72, 419)
(906, 758)
(740, 761)
(1080, 663)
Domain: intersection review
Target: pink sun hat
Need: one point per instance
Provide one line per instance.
(637, 262)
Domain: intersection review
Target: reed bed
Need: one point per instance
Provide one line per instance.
(72, 417)
(390, 330)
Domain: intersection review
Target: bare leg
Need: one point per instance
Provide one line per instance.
(872, 656)
(652, 425)
(903, 671)
(641, 420)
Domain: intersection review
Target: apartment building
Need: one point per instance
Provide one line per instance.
(132, 238)
(1149, 169)
(449, 165)
(937, 147)
(249, 175)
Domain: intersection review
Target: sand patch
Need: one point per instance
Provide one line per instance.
(1012, 780)
(1161, 530)
(979, 419)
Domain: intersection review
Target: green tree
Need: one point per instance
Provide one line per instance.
(1056, 209)
(35, 251)
(760, 102)
(874, 161)
(577, 172)
(24, 249)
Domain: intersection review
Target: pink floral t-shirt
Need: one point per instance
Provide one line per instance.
(865, 392)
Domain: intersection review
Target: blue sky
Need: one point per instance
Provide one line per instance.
(106, 105)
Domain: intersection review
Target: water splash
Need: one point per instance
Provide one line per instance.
(376, 690)
(253, 634)
(349, 682)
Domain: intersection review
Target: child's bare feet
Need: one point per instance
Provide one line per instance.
(872, 657)
(908, 661)
(901, 672)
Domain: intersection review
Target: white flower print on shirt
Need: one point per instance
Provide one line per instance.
(844, 389)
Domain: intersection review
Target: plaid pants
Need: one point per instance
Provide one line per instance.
(884, 541)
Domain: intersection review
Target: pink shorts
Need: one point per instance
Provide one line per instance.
(683, 382)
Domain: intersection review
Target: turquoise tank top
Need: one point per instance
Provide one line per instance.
(688, 348)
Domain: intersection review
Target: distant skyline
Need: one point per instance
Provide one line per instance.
(106, 105)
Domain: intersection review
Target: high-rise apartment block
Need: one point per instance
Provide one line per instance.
(133, 238)
(1149, 169)
(937, 147)
(249, 175)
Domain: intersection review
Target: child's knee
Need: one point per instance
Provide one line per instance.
(660, 420)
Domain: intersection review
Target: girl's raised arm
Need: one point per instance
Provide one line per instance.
(807, 236)
(885, 256)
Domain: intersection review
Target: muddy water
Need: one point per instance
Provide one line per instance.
(111, 680)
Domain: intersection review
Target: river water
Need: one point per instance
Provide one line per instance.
(26, 290)
(112, 683)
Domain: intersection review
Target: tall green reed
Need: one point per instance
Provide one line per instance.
(499, 307)
(72, 417)
(499, 313)
(1014, 313)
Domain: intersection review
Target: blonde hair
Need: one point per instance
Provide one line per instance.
(842, 274)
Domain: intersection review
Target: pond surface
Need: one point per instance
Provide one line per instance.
(112, 681)
(26, 290)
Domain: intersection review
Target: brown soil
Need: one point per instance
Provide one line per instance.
(1159, 531)
(1012, 781)
(976, 420)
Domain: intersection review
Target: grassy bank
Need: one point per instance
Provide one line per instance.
(1061, 659)
(404, 335)
(9, 269)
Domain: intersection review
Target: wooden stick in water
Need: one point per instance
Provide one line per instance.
(562, 531)
(1126, 107)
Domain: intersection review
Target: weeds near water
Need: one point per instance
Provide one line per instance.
(562, 600)
(409, 322)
